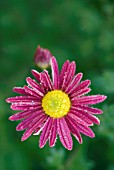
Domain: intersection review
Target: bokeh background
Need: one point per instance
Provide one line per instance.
(79, 30)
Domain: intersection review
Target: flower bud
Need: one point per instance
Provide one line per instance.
(42, 57)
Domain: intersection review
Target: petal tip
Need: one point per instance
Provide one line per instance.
(23, 139)
(11, 118)
(80, 74)
(69, 148)
(33, 71)
(15, 89)
(41, 145)
(92, 135)
(104, 97)
(53, 58)
(52, 145)
(8, 100)
(12, 107)
(28, 78)
(19, 128)
(98, 122)
(81, 141)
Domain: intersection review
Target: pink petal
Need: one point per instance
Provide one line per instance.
(21, 99)
(36, 115)
(32, 92)
(81, 128)
(48, 79)
(32, 127)
(62, 73)
(69, 75)
(74, 83)
(14, 106)
(36, 75)
(74, 130)
(93, 99)
(43, 82)
(64, 133)
(85, 130)
(21, 115)
(35, 86)
(53, 134)
(80, 93)
(46, 132)
(55, 73)
(79, 118)
(20, 90)
(25, 105)
(83, 85)
(86, 115)
(89, 109)
(29, 104)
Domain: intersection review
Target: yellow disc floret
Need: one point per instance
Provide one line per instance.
(56, 104)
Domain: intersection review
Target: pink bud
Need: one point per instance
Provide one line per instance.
(42, 57)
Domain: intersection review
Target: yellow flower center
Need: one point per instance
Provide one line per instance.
(56, 103)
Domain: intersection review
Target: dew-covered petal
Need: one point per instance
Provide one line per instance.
(76, 80)
(29, 103)
(69, 75)
(46, 132)
(48, 79)
(21, 115)
(81, 86)
(43, 82)
(93, 99)
(80, 93)
(20, 90)
(53, 134)
(64, 133)
(36, 75)
(86, 115)
(21, 99)
(55, 73)
(37, 88)
(85, 130)
(79, 118)
(33, 126)
(25, 105)
(32, 92)
(63, 70)
(36, 115)
(90, 110)
(82, 128)
(14, 106)
(73, 130)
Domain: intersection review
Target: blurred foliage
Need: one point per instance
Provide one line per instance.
(82, 31)
(107, 123)
(107, 76)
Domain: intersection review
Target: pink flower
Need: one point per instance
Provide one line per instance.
(57, 107)
(42, 58)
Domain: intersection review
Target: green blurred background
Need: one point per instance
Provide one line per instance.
(79, 30)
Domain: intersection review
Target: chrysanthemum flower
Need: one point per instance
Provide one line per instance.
(56, 107)
(42, 57)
